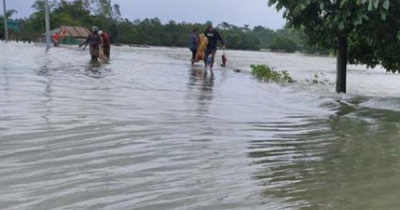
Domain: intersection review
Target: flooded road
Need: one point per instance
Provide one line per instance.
(149, 132)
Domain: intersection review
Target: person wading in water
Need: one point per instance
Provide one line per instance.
(56, 39)
(194, 43)
(106, 43)
(94, 41)
(213, 37)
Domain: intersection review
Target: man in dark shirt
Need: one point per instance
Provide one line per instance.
(213, 37)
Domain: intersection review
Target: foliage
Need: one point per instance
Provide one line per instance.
(9, 14)
(366, 24)
(268, 74)
(319, 79)
(107, 16)
(2, 35)
(283, 43)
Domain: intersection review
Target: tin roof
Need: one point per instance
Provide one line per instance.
(75, 31)
(71, 31)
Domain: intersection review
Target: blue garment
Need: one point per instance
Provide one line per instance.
(193, 42)
(209, 60)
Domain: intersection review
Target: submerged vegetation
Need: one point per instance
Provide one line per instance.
(264, 73)
(267, 74)
(106, 15)
(319, 79)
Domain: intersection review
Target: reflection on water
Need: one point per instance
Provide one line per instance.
(201, 84)
(202, 78)
(147, 131)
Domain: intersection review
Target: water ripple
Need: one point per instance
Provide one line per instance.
(148, 131)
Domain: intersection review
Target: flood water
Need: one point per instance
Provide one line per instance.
(149, 132)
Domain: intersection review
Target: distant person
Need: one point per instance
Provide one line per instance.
(56, 39)
(213, 37)
(94, 41)
(106, 43)
(194, 43)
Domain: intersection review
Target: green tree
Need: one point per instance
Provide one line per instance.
(283, 44)
(102, 8)
(9, 14)
(2, 35)
(265, 36)
(149, 31)
(348, 26)
(126, 33)
(76, 12)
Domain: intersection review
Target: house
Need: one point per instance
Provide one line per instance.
(70, 35)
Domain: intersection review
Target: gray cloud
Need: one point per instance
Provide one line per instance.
(238, 12)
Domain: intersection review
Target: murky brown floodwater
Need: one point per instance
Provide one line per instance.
(149, 132)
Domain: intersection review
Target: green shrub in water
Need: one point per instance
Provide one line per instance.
(268, 74)
(319, 79)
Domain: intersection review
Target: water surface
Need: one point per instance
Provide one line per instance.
(148, 131)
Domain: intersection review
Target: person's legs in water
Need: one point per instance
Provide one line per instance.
(194, 52)
(107, 49)
(94, 52)
(206, 55)
(94, 55)
(213, 52)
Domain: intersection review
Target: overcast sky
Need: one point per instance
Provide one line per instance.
(238, 12)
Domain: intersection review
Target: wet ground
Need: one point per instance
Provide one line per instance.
(149, 132)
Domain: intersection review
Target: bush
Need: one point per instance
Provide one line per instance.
(268, 74)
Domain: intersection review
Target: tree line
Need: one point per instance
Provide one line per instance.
(107, 16)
